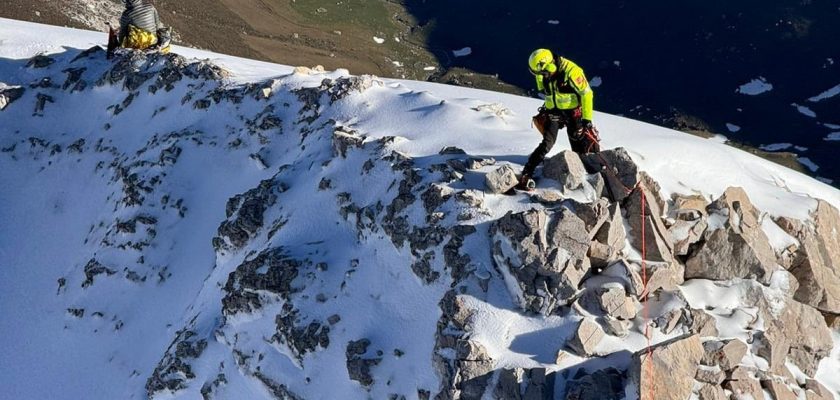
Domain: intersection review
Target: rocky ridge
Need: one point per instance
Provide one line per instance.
(273, 295)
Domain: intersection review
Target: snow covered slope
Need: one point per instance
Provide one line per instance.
(227, 228)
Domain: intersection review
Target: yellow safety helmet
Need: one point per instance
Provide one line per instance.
(541, 62)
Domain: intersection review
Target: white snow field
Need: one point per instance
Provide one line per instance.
(110, 203)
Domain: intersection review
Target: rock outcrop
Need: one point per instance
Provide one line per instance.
(734, 245)
(670, 374)
(501, 179)
(815, 263)
(542, 255)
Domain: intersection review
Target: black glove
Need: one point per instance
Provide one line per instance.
(587, 125)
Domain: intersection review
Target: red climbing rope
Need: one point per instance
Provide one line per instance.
(645, 312)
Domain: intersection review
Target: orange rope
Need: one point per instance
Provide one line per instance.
(649, 360)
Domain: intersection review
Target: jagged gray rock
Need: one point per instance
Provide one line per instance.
(711, 392)
(300, 339)
(524, 384)
(618, 169)
(798, 332)
(778, 390)
(671, 375)
(815, 262)
(270, 271)
(359, 365)
(734, 245)
(174, 370)
(743, 382)
(615, 302)
(599, 385)
(724, 354)
(245, 215)
(501, 179)
(658, 242)
(9, 94)
(345, 139)
(586, 338)
(567, 169)
(543, 253)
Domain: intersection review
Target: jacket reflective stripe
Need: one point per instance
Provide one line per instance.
(569, 90)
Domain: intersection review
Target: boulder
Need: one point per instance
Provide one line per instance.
(711, 392)
(618, 169)
(593, 214)
(501, 179)
(670, 376)
(710, 375)
(724, 354)
(734, 245)
(742, 382)
(815, 262)
(602, 384)
(688, 207)
(542, 256)
(520, 384)
(615, 302)
(778, 390)
(816, 391)
(567, 169)
(686, 233)
(806, 333)
(586, 338)
(658, 244)
(701, 323)
(612, 233)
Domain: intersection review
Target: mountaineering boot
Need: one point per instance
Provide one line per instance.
(526, 183)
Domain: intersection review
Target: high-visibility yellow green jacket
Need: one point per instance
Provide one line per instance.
(567, 89)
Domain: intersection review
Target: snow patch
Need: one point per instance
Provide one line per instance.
(378, 40)
(826, 94)
(808, 164)
(755, 87)
(595, 82)
(732, 127)
(553, 22)
(775, 146)
(804, 110)
(833, 136)
(462, 52)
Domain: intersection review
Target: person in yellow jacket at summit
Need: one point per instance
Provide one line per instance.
(568, 102)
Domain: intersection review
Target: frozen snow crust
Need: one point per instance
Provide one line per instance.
(232, 229)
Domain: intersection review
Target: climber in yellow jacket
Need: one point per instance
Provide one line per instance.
(568, 102)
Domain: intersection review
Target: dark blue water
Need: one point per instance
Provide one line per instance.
(686, 57)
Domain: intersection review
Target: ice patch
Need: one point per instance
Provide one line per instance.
(732, 127)
(827, 94)
(800, 148)
(755, 87)
(553, 22)
(833, 136)
(808, 163)
(462, 52)
(804, 110)
(378, 40)
(775, 146)
(617, 63)
(595, 82)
